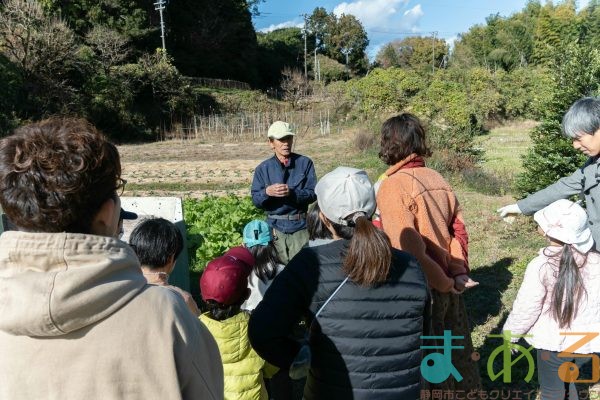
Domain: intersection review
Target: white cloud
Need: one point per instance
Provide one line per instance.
(373, 13)
(581, 4)
(412, 17)
(384, 20)
(286, 24)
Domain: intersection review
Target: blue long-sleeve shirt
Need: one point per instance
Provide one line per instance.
(301, 179)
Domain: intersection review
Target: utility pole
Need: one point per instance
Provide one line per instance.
(317, 72)
(346, 51)
(433, 53)
(160, 6)
(305, 48)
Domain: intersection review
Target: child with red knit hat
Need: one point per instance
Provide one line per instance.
(224, 286)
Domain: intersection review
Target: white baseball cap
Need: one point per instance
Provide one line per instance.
(344, 192)
(567, 222)
(279, 129)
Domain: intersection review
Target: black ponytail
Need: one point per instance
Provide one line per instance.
(370, 253)
(568, 290)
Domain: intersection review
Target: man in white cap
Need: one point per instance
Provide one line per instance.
(284, 186)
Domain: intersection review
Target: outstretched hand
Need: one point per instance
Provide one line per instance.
(464, 282)
(511, 209)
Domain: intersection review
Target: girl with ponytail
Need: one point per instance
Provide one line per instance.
(560, 295)
(360, 299)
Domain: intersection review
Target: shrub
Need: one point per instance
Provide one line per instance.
(524, 91)
(385, 90)
(233, 101)
(551, 157)
(337, 98)
(459, 99)
(364, 140)
(330, 69)
(214, 225)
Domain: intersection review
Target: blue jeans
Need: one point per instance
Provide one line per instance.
(552, 386)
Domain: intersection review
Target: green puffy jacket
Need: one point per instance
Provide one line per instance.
(243, 369)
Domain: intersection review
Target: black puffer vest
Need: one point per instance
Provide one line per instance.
(366, 342)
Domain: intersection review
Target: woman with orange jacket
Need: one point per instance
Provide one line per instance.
(421, 215)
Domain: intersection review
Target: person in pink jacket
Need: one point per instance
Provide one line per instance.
(559, 300)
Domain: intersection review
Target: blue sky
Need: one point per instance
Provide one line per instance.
(386, 20)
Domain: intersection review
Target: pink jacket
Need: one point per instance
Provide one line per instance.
(531, 309)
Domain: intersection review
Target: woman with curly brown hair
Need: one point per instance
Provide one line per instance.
(78, 319)
(421, 215)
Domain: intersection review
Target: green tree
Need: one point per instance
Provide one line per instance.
(476, 44)
(387, 57)
(279, 49)
(319, 25)
(335, 37)
(557, 26)
(347, 43)
(110, 47)
(133, 18)
(513, 42)
(10, 87)
(385, 90)
(213, 39)
(331, 70)
(590, 24)
(134, 100)
(524, 92)
(46, 54)
(418, 52)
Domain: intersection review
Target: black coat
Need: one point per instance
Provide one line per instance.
(366, 344)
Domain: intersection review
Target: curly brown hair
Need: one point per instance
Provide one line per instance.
(402, 136)
(56, 174)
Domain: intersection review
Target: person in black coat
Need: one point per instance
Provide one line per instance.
(365, 343)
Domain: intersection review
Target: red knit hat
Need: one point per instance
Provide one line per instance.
(225, 279)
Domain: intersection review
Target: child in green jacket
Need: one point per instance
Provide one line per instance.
(224, 286)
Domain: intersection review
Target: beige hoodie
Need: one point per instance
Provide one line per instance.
(78, 321)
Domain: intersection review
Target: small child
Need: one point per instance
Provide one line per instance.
(559, 299)
(157, 243)
(224, 286)
(258, 239)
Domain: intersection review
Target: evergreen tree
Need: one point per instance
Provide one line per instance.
(590, 24)
(279, 49)
(213, 39)
(334, 36)
(557, 26)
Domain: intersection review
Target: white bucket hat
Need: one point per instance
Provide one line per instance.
(567, 222)
(343, 192)
(279, 130)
